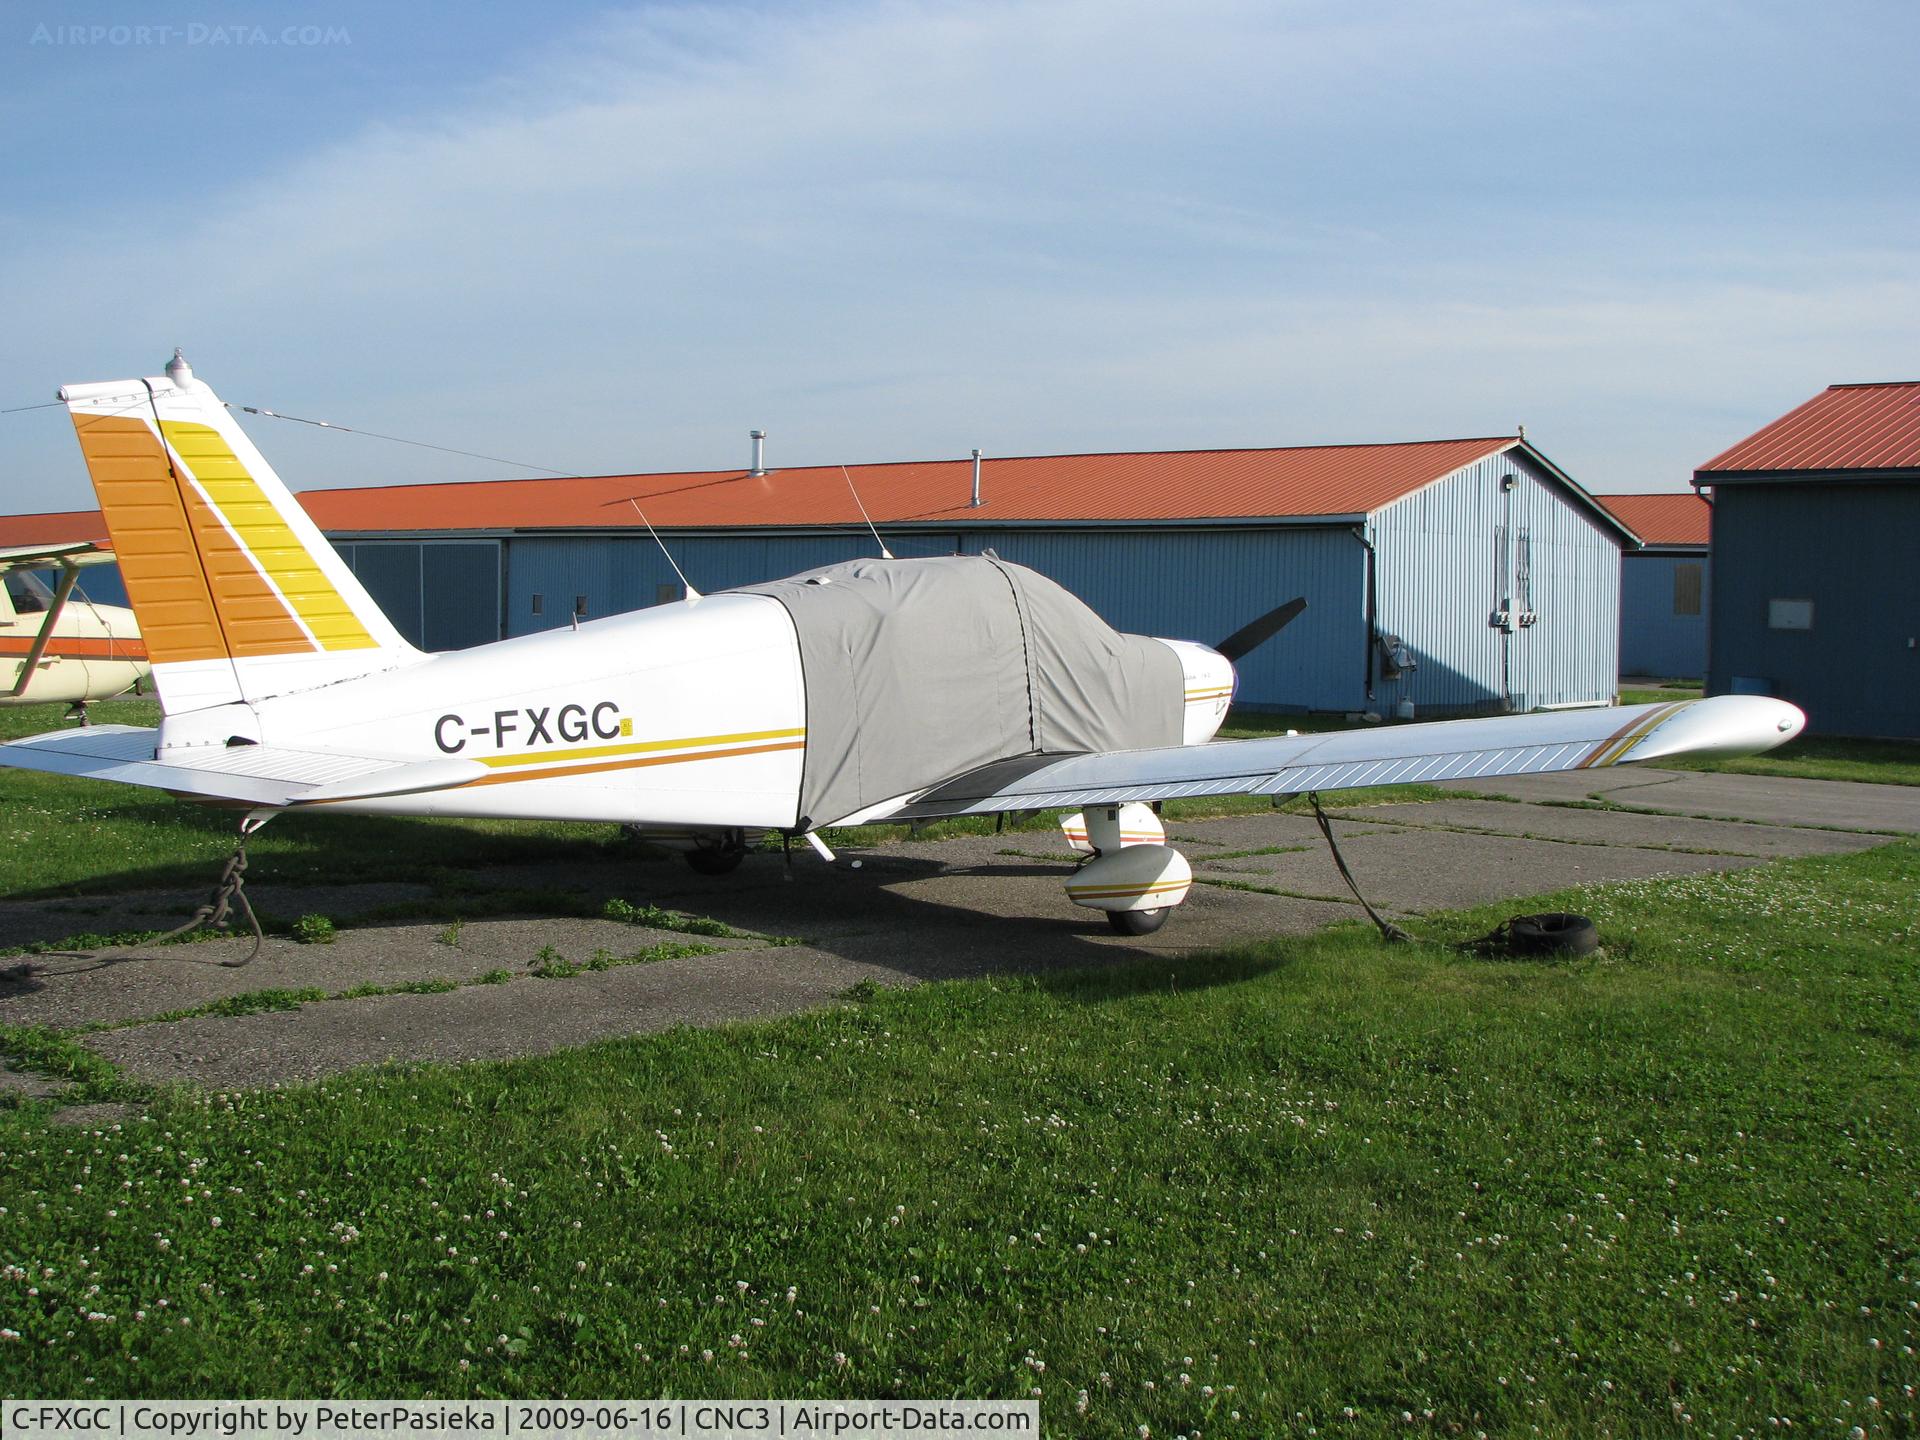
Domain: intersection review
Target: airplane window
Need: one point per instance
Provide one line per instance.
(28, 592)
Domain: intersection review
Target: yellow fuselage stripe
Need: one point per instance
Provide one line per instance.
(639, 747)
(561, 772)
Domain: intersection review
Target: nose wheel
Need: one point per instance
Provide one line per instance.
(1137, 922)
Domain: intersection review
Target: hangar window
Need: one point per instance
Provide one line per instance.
(1790, 614)
(1686, 587)
(538, 607)
(579, 605)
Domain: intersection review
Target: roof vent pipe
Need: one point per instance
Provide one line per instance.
(976, 478)
(759, 452)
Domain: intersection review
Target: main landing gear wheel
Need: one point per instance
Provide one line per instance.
(716, 859)
(1138, 922)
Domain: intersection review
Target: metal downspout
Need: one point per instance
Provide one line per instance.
(1373, 602)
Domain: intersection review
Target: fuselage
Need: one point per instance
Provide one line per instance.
(689, 715)
(93, 652)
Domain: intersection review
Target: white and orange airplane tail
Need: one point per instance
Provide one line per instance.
(238, 595)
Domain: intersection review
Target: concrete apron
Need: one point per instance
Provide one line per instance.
(912, 911)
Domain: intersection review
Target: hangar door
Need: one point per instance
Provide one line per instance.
(439, 594)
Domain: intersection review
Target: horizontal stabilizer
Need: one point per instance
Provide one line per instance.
(1354, 759)
(263, 776)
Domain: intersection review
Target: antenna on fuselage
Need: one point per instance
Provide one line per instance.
(685, 584)
(885, 554)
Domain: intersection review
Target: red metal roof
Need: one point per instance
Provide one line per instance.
(1843, 428)
(1666, 518)
(51, 528)
(1311, 481)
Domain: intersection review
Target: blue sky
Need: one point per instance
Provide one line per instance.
(616, 237)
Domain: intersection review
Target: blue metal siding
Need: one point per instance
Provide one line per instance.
(1205, 584)
(99, 583)
(1437, 572)
(1655, 639)
(1200, 585)
(102, 584)
(1851, 551)
(459, 594)
(1452, 554)
(621, 573)
(390, 570)
(439, 594)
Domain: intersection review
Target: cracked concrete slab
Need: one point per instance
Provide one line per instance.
(908, 911)
(531, 1016)
(1603, 827)
(1412, 871)
(24, 1085)
(113, 986)
(1763, 799)
(29, 922)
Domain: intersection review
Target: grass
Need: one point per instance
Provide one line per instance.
(63, 836)
(1671, 690)
(314, 930)
(1822, 757)
(653, 917)
(1308, 1183)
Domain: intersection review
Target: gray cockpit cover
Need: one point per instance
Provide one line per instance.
(920, 670)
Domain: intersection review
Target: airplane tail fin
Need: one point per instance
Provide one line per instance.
(237, 593)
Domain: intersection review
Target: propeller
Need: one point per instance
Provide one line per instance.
(1249, 638)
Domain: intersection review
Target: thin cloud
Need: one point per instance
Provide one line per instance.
(900, 230)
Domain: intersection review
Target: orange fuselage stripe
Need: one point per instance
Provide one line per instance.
(81, 647)
(557, 772)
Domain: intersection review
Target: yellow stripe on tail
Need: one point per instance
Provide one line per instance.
(238, 594)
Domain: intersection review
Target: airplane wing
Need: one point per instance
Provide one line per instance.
(261, 776)
(43, 557)
(277, 776)
(1351, 759)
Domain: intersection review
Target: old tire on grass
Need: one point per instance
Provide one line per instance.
(1554, 933)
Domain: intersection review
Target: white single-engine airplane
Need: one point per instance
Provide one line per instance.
(55, 644)
(875, 691)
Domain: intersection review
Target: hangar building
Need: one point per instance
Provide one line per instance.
(1461, 576)
(1815, 586)
(1663, 584)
